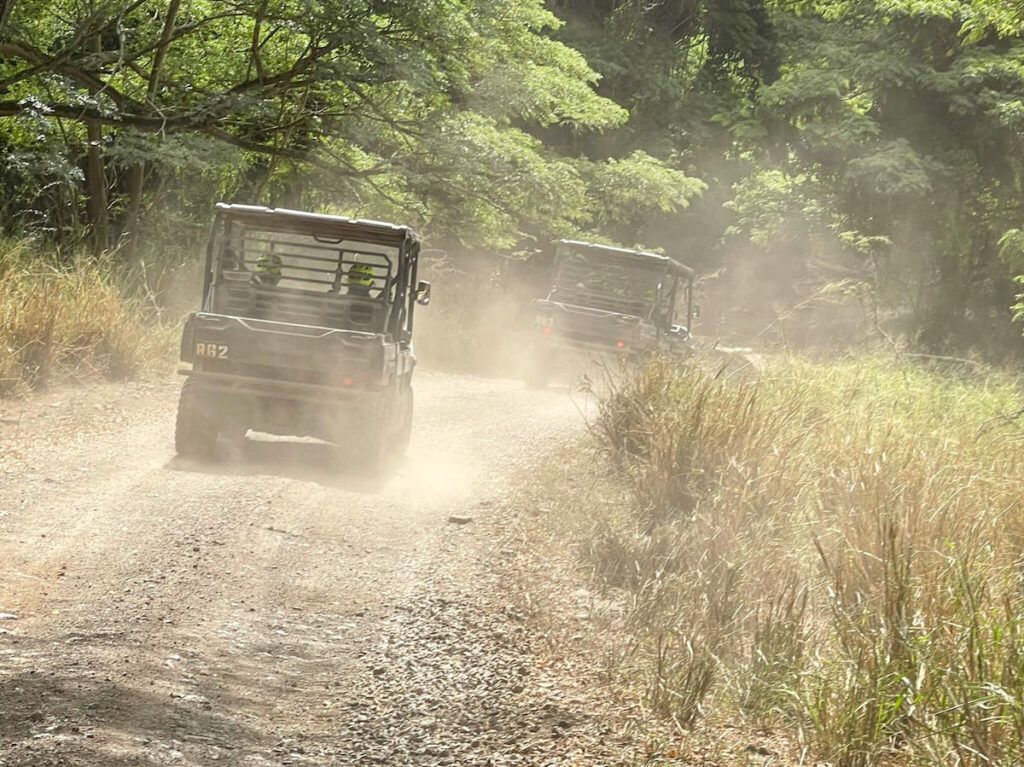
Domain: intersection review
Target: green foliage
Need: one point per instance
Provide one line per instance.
(895, 170)
(904, 118)
(768, 203)
(983, 17)
(1011, 249)
(1018, 307)
(878, 141)
(483, 181)
(423, 110)
(625, 190)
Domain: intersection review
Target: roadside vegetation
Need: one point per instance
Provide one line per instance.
(865, 150)
(835, 549)
(66, 319)
(830, 550)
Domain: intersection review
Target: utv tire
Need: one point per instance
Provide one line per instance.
(405, 424)
(537, 372)
(233, 433)
(379, 457)
(195, 437)
(386, 445)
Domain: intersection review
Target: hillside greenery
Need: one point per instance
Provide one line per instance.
(868, 150)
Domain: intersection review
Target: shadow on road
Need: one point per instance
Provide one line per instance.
(305, 461)
(60, 719)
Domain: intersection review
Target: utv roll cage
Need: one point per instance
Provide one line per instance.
(305, 329)
(629, 282)
(312, 256)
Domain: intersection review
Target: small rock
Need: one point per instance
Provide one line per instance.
(459, 519)
(8, 617)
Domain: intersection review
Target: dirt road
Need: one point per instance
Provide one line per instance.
(269, 608)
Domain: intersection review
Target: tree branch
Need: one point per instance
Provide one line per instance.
(77, 73)
(5, 13)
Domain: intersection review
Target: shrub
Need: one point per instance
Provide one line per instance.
(68, 320)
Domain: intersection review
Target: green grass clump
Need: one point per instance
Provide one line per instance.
(835, 548)
(68, 320)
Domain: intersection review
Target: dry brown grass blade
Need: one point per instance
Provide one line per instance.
(69, 320)
(835, 548)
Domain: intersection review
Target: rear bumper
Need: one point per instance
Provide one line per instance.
(285, 408)
(246, 387)
(568, 346)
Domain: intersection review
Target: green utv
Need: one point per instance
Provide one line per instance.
(305, 329)
(608, 303)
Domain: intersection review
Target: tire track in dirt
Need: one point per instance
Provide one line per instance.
(270, 608)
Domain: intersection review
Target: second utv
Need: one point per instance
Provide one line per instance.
(609, 303)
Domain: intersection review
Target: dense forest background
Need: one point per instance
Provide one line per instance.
(804, 156)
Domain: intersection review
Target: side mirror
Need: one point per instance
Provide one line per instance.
(423, 293)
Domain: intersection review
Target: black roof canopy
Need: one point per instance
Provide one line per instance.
(300, 222)
(641, 255)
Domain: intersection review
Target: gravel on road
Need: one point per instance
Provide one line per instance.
(272, 607)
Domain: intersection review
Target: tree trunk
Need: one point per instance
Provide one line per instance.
(137, 175)
(136, 183)
(6, 6)
(96, 179)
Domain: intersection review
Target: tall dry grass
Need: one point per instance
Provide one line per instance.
(60, 320)
(833, 548)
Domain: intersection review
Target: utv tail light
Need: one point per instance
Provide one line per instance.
(620, 344)
(347, 381)
(547, 330)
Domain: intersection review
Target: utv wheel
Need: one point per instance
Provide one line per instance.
(537, 371)
(233, 433)
(405, 424)
(379, 455)
(387, 443)
(194, 436)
